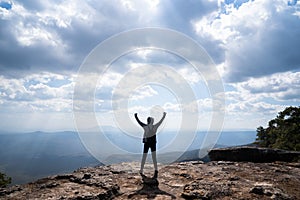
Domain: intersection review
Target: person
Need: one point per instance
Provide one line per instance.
(149, 140)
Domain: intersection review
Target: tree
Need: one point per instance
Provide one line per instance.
(283, 132)
(4, 180)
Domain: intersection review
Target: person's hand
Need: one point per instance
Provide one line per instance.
(165, 113)
(135, 114)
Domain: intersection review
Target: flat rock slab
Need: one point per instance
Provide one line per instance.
(253, 154)
(187, 180)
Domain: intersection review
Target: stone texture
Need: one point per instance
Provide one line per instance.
(186, 180)
(253, 154)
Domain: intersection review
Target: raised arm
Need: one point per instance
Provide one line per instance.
(161, 120)
(138, 120)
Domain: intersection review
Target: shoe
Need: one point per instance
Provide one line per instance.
(155, 174)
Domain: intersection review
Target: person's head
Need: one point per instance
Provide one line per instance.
(150, 120)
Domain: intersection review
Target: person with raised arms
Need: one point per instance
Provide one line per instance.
(149, 140)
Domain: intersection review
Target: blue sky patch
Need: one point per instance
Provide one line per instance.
(236, 3)
(292, 2)
(6, 5)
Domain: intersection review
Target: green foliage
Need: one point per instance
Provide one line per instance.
(283, 132)
(4, 180)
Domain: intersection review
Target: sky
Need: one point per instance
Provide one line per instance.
(254, 45)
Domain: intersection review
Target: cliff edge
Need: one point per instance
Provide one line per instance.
(253, 154)
(186, 180)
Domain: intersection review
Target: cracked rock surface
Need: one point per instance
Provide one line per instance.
(186, 180)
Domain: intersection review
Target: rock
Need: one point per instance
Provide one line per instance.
(49, 185)
(8, 191)
(271, 191)
(253, 154)
(205, 190)
(257, 190)
(234, 178)
(87, 176)
(186, 180)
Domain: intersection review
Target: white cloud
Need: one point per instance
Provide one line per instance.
(29, 27)
(254, 102)
(172, 107)
(279, 86)
(205, 105)
(249, 114)
(144, 92)
(109, 79)
(260, 37)
(253, 107)
(190, 75)
(42, 92)
(64, 32)
(200, 106)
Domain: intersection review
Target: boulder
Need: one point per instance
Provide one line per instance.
(253, 154)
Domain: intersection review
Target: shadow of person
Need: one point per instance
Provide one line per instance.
(150, 188)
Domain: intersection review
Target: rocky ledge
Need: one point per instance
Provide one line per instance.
(254, 154)
(186, 180)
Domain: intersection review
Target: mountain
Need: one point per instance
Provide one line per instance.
(28, 156)
(185, 180)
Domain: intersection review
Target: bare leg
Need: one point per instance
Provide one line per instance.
(143, 162)
(153, 153)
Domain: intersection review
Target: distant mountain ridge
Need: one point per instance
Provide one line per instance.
(28, 156)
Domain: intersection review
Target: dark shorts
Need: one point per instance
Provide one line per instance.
(151, 145)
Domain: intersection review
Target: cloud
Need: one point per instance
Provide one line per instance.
(260, 37)
(172, 107)
(44, 92)
(254, 44)
(57, 35)
(279, 86)
(253, 109)
(144, 92)
(62, 33)
(179, 14)
(254, 102)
